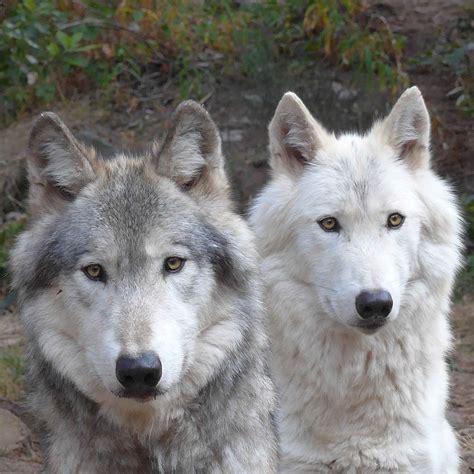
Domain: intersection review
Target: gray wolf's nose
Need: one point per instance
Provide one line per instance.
(138, 373)
(375, 304)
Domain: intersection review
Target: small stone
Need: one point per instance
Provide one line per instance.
(343, 92)
(253, 99)
(11, 466)
(13, 432)
(14, 216)
(232, 135)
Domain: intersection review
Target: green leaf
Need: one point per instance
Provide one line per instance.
(138, 15)
(75, 39)
(86, 47)
(46, 92)
(53, 49)
(32, 43)
(30, 5)
(63, 39)
(79, 61)
(31, 59)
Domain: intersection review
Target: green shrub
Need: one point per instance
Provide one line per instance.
(12, 370)
(351, 36)
(51, 49)
(8, 233)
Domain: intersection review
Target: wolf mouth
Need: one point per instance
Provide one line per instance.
(371, 327)
(140, 395)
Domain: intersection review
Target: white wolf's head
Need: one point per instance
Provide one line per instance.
(123, 257)
(347, 213)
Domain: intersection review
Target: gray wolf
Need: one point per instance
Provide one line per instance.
(360, 242)
(140, 297)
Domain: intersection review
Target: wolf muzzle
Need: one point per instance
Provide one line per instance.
(139, 375)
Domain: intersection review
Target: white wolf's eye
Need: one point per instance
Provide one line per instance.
(329, 224)
(395, 220)
(94, 272)
(174, 264)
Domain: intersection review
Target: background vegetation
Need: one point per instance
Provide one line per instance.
(51, 49)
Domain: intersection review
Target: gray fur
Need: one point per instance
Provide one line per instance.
(217, 413)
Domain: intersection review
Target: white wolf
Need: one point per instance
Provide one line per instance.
(360, 243)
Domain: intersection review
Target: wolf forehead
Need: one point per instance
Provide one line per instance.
(122, 210)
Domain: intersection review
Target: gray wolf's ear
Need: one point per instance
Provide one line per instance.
(191, 153)
(58, 165)
(295, 136)
(407, 128)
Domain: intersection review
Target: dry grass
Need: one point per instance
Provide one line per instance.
(12, 368)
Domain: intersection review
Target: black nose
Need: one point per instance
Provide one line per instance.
(375, 304)
(140, 373)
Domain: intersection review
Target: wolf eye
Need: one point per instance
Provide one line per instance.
(395, 220)
(94, 272)
(174, 264)
(329, 224)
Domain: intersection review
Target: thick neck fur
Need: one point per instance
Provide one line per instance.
(350, 400)
(146, 439)
(340, 387)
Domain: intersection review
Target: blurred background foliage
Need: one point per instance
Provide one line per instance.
(51, 49)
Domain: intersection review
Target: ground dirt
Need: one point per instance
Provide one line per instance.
(242, 109)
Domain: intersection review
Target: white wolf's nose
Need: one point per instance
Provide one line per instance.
(139, 375)
(375, 304)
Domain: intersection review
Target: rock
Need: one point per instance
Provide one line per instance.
(11, 331)
(13, 432)
(11, 466)
(232, 135)
(343, 92)
(253, 99)
(14, 216)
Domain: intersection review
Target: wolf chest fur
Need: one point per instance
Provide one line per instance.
(141, 302)
(360, 243)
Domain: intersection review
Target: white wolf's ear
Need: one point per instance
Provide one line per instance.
(191, 153)
(295, 136)
(58, 165)
(408, 128)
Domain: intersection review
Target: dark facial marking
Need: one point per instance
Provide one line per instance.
(58, 252)
(133, 208)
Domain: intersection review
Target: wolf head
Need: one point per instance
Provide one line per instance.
(358, 218)
(123, 257)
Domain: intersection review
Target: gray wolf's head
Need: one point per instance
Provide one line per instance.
(353, 208)
(119, 266)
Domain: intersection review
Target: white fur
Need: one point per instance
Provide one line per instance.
(350, 401)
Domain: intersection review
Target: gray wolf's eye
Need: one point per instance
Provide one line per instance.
(174, 264)
(329, 224)
(94, 272)
(395, 220)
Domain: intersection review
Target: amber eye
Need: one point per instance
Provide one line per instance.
(329, 224)
(395, 220)
(94, 272)
(174, 264)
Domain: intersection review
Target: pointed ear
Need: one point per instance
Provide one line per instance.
(58, 165)
(295, 136)
(407, 128)
(191, 153)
